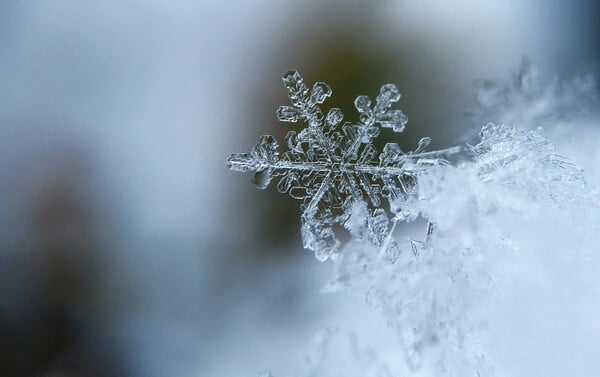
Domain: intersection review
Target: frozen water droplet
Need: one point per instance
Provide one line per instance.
(262, 179)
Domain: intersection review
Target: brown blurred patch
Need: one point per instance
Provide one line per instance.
(55, 273)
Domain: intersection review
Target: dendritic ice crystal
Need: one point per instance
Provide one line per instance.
(334, 168)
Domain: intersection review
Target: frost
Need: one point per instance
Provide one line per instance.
(505, 278)
(527, 156)
(336, 171)
(530, 101)
(488, 213)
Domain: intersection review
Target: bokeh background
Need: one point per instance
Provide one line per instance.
(126, 246)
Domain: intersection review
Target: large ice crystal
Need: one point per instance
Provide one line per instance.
(334, 168)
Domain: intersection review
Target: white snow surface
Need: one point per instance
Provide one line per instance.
(507, 284)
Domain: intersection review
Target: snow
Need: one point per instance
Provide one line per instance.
(504, 283)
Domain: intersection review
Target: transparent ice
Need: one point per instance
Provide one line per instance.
(333, 167)
(506, 281)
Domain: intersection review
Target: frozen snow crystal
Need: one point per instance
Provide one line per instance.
(334, 168)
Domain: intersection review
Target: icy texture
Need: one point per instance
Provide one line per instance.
(516, 151)
(336, 171)
(504, 282)
(567, 110)
(506, 285)
(530, 101)
(512, 221)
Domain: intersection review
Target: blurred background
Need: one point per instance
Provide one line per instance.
(126, 246)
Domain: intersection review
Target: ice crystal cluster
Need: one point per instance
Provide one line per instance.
(334, 168)
(506, 282)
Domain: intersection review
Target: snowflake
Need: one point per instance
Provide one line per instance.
(334, 168)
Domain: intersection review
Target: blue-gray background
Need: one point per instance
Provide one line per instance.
(126, 246)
